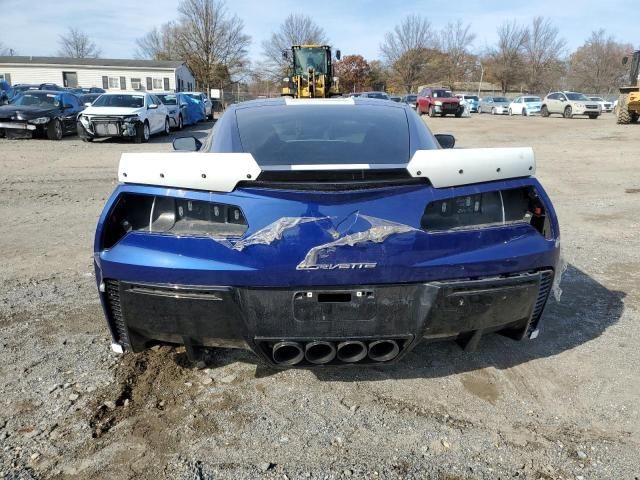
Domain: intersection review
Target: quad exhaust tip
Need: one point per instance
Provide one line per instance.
(319, 352)
(351, 351)
(383, 350)
(287, 353)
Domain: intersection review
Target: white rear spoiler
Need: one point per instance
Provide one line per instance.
(216, 172)
(453, 167)
(221, 172)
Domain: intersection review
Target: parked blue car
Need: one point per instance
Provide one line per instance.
(324, 233)
(472, 101)
(183, 110)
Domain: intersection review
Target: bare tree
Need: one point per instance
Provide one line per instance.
(295, 30)
(212, 41)
(159, 43)
(455, 41)
(416, 67)
(408, 50)
(596, 66)
(543, 49)
(506, 60)
(77, 44)
(413, 33)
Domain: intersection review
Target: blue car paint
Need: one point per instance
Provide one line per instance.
(414, 256)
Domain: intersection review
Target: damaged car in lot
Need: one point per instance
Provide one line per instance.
(135, 115)
(324, 232)
(51, 114)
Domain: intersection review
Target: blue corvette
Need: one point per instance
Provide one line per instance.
(324, 232)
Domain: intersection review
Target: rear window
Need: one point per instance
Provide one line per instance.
(324, 134)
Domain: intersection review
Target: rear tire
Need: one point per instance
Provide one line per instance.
(568, 112)
(493, 111)
(524, 112)
(54, 130)
(432, 111)
(167, 126)
(544, 111)
(593, 117)
(180, 122)
(624, 115)
(510, 112)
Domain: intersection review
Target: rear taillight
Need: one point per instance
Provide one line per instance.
(488, 209)
(172, 216)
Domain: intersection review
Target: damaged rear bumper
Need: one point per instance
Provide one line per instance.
(360, 320)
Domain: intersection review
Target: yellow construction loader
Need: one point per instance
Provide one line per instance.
(629, 100)
(310, 72)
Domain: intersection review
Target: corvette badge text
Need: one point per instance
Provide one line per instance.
(337, 266)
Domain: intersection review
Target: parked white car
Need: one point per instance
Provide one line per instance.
(605, 106)
(208, 106)
(525, 105)
(137, 115)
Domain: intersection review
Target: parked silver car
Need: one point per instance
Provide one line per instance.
(494, 105)
(569, 104)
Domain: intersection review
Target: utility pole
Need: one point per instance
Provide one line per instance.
(481, 75)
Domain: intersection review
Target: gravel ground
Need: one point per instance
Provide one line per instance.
(562, 406)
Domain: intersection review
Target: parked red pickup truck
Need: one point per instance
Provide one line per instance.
(438, 101)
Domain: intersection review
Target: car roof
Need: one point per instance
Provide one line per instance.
(54, 92)
(127, 92)
(317, 102)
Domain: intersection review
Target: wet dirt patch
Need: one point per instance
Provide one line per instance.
(482, 385)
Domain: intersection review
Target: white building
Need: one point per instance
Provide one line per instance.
(110, 74)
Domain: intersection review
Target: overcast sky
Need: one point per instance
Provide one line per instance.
(355, 26)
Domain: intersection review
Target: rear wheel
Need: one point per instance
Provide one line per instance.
(432, 111)
(524, 112)
(568, 112)
(167, 126)
(510, 112)
(180, 122)
(634, 117)
(54, 130)
(493, 111)
(624, 115)
(544, 111)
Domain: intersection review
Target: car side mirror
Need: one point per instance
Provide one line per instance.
(446, 140)
(152, 106)
(187, 144)
(87, 104)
